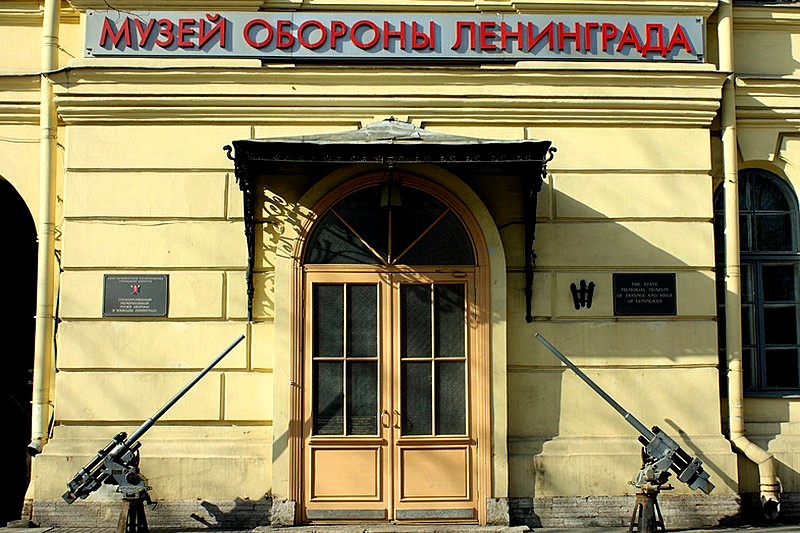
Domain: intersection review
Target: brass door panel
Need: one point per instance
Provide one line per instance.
(428, 473)
(346, 473)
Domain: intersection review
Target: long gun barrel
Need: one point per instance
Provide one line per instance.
(632, 420)
(117, 462)
(662, 451)
(152, 420)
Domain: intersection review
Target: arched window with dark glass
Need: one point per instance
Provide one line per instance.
(387, 225)
(770, 258)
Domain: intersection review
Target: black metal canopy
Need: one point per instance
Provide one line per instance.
(390, 142)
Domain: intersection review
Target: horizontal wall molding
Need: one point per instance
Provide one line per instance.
(657, 96)
(695, 7)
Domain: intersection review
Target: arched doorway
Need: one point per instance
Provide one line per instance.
(395, 356)
(18, 270)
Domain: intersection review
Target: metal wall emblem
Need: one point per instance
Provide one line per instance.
(582, 296)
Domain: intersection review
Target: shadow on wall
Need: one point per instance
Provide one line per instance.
(243, 513)
(652, 357)
(753, 44)
(279, 206)
(658, 363)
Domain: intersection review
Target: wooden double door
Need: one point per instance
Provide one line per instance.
(389, 430)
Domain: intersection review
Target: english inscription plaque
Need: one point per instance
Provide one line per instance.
(135, 294)
(645, 294)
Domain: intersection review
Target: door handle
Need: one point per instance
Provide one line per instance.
(396, 416)
(385, 420)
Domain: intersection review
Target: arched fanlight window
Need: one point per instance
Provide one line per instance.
(770, 263)
(387, 224)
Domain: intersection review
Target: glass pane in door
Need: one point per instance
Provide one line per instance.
(328, 398)
(449, 321)
(416, 398)
(362, 320)
(362, 397)
(450, 404)
(328, 320)
(345, 359)
(433, 358)
(415, 324)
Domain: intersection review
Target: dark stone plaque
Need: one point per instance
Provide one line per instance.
(135, 294)
(645, 294)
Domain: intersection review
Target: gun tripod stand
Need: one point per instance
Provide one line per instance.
(132, 519)
(651, 479)
(646, 517)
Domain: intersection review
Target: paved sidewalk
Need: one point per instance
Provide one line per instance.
(388, 528)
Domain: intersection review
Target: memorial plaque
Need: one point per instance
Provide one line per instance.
(135, 294)
(645, 294)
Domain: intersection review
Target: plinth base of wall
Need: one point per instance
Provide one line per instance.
(239, 513)
(680, 511)
(283, 513)
(753, 513)
(497, 512)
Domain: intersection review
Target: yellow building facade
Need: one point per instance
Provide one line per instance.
(367, 223)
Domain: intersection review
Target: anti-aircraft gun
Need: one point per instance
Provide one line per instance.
(660, 455)
(118, 464)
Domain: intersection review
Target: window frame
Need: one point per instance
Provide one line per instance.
(752, 263)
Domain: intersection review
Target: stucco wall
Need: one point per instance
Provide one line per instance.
(767, 58)
(146, 188)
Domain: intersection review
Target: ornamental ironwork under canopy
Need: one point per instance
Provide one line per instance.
(387, 143)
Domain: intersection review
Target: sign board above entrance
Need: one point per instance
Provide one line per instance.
(394, 36)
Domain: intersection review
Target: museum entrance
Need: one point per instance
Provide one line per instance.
(391, 360)
(356, 388)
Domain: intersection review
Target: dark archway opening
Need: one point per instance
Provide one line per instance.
(18, 275)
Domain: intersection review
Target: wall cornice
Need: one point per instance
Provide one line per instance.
(508, 95)
(786, 85)
(176, 5)
(768, 101)
(20, 17)
(327, 108)
(30, 13)
(617, 7)
(19, 99)
(695, 7)
(769, 18)
(19, 113)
